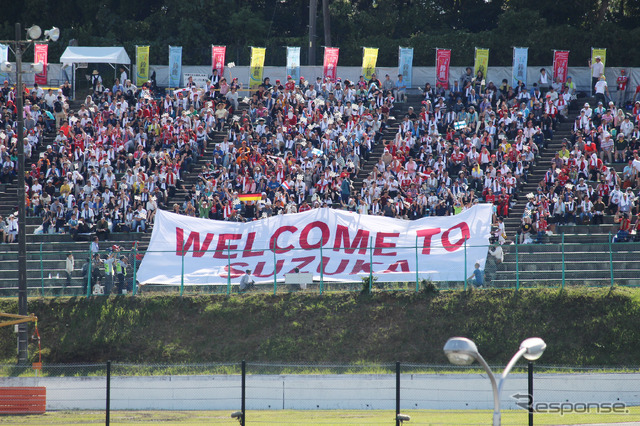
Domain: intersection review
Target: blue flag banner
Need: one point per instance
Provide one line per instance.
(4, 57)
(405, 64)
(519, 72)
(175, 65)
(293, 62)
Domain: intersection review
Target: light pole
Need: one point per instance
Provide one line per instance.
(462, 351)
(19, 45)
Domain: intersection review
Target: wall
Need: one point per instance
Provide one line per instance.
(580, 75)
(309, 392)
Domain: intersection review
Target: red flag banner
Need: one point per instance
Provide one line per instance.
(218, 54)
(443, 59)
(41, 55)
(560, 65)
(331, 62)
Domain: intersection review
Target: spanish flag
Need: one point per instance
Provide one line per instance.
(249, 197)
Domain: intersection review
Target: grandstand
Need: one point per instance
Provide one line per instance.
(563, 256)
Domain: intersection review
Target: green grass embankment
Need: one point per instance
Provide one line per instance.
(582, 327)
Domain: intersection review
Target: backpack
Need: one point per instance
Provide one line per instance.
(57, 106)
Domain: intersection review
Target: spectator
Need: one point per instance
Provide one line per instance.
(597, 71)
(12, 228)
(246, 282)
(478, 276)
(69, 268)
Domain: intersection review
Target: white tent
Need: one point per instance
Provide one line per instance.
(74, 55)
(95, 55)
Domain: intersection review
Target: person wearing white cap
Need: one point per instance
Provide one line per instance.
(12, 228)
(597, 71)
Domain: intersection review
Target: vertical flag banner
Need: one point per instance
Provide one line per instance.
(293, 62)
(405, 64)
(330, 66)
(443, 59)
(369, 59)
(481, 62)
(560, 65)
(599, 52)
(4, 57)
(257, 66)
(175, 65)
(41, 55)
(142, 65)
(218, 54)
(519, 71)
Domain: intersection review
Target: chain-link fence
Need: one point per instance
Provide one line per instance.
(270, 393)
(599, 261)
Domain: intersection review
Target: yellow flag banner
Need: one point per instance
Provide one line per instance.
(369, 59)
(142, 65)
(257, 66)
(599, 52)
(481, 62)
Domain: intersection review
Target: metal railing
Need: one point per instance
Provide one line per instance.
(597, 263)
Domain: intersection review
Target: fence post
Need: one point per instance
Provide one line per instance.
(563, 263)
(611, 257)
(465, 263)
(517, 267)
(135, 268)
(321, 269)
(417, 268)
(41, 272)
(370, 263)
(244, 387)
(397, 392)
(275, 270)
(182, 273)
(108, 407)
(530, 383)
(89, 274)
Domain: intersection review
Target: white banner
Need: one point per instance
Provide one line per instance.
(200, 79)
(343, 244)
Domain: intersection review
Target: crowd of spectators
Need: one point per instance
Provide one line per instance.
(301, 144)
(582, 185)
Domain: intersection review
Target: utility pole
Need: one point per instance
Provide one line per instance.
(23, 354)
(313, 9)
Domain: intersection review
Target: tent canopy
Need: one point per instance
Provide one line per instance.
(95, 55)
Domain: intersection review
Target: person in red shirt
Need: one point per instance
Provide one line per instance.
(503, 204)
(621, 84)
(455, 161)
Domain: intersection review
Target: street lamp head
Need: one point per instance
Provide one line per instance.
(34, 32)
(461, 351)
(534, 346)
(6, 67)
(53, 34)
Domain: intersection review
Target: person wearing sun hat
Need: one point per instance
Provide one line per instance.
(95, 79)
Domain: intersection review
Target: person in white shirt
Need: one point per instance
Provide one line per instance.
(139, 219)
(246, 282)
(123, 74)
(597, 71)
(601, 88)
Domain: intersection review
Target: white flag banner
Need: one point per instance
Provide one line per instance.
(343, 245)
